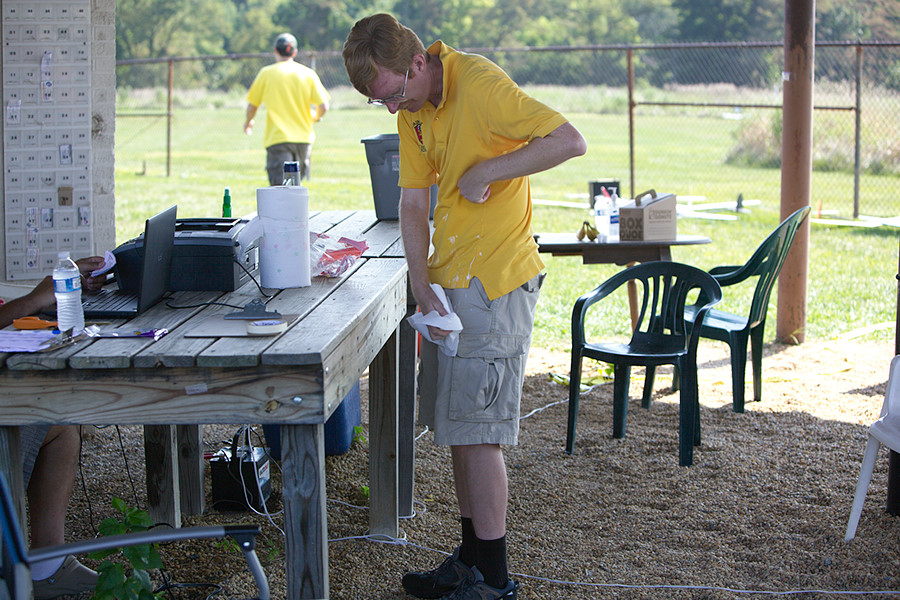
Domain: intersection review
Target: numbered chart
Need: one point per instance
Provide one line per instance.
(46, 133)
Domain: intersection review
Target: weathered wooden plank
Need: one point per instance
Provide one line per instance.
(245, 352)
(380, 237)
(119, 353)
(306, 531)
(406, 426)
(359, 346)
(176, 396)
(354, 226)
(190, 469)
(383, 427)
(395, 250)
(160, 450)
(175, 350)
(47, 361)
(323, 221)
(325, 327)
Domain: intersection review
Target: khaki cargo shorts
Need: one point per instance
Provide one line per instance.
(473, 397)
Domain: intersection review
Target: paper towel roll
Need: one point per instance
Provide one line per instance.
(284, 246)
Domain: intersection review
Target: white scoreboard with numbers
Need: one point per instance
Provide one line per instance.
(46, 133)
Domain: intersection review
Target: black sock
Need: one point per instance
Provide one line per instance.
(492, 562)
(468, 551)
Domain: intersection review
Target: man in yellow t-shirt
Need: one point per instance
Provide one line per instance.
(465, 125)
(294, 99)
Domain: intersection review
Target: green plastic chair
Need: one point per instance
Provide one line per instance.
(661, 337)
(736, 330)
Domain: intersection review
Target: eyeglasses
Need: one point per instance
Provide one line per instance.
(396, 98)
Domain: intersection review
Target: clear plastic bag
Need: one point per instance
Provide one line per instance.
(330, 257)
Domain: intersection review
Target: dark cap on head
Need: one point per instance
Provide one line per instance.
(285, 44)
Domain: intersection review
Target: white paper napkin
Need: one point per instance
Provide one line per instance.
(109, 261)
(449, 322)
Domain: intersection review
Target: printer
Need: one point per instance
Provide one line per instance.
(210, 254)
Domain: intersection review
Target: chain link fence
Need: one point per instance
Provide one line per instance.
(704, 119)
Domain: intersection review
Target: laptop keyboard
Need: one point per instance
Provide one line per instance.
(109, 300)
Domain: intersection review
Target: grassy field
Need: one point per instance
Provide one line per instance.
(851, 276)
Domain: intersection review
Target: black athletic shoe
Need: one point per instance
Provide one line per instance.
(477, 589)
(440, 581)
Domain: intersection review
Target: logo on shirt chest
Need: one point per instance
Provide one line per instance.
(417, 127)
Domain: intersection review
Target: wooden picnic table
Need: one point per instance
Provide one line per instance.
(295, 379)
(617, 252)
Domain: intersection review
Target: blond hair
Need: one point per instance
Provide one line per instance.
(379, 40)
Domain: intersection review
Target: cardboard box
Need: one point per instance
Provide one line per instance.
(652, 219)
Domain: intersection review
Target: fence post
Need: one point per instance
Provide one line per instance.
(169, 121)
(857, 153)
(630, 55)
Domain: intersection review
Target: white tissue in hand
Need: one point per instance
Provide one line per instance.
(449, 322)
(109, 261)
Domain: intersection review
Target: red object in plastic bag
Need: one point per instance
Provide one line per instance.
(331, 258)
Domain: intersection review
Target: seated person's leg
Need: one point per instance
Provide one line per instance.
(49, 487)
(52, 481)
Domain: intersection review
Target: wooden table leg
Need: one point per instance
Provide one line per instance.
(305, 517)
(163, 488)
(406, 433)
(190, 469)
(383, 426)
(632, 300)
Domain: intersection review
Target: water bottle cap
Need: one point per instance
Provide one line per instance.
(62, 254)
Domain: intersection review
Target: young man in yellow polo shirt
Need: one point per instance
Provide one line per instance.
(465, 125)
(295, 98)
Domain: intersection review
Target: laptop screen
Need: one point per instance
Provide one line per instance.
(159, 242)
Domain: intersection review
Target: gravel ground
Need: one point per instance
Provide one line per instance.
(764, 507)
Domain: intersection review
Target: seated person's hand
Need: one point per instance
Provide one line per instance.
(87, 266)
(41, 297)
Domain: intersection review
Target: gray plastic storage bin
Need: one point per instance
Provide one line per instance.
(383, 155)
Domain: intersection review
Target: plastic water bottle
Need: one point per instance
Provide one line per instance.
(602, 216)
(291, 173)
(614, 218)
(67, 288)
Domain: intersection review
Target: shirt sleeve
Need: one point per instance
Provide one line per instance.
(415, 170)
(320, 94)
(515, 115)
(254, 94)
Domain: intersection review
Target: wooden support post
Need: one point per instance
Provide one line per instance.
(190, 469)
(406, 432)
(383, 425)
(796, 163)
(305, 525)
(163, 490)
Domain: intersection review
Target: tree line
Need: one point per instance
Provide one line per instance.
(163, 28)
(155, 28)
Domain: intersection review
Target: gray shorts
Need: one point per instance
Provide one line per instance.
(31, 438)
(473, 397)
(278, 154)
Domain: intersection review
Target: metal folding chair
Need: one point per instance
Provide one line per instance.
(16, 560)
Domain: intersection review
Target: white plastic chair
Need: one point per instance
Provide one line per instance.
(886, 430)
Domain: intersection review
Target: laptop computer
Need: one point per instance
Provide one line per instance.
(155, 269)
